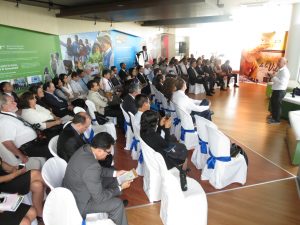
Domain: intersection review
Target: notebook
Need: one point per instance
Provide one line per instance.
(130, 175)
(10, 202)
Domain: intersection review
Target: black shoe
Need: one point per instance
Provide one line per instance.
(237, 86)
(183, 182)
(273, 122)
(209, 94)
(212, 91)
(125, 202)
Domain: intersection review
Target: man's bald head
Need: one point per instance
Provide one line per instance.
(282, 62)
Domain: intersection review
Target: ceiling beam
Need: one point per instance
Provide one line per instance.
(183, 21)
(118, 6)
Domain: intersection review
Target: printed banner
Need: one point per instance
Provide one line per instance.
(256, 63)
(25, 55)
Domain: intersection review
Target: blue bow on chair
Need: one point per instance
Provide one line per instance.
(90, 138)
(83, 222)
(184, 131)
(93, 121)
(125, 126)
(141, 157)
(134, 144)
(212, 160)
(176, 121)
(157, 103)
(203, 146)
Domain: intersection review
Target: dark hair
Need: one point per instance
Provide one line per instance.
(74, 74)
(179, 83)
(156, 70)
(55, 81)
(46, 85)
(113, 67)
(149, 121)
(159, 77)
(168, 88)
(139, 67)
(103, 140)
(131, 70)
(80, 117)
(140, 100)
(105, 71)
(79, 71)
(34, 89)
(61, 77)
(24, 100)
(90, 84)
(2, 85)
(121, 64)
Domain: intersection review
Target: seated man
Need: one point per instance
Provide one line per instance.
(226, 68)
(107, 84)
(160, 79)
(17, 135)
(72, 138)
(128, 103)
(76, 87)
(143, 104)
(60, 107)
(94, 187)
(7, 89)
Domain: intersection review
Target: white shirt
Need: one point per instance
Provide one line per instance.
(183, 68)
(281, 79)
(15, 130)
(186, 103)
(171, 70)
(38, 115)
(107, 85)
(68, 90)
(137, 119)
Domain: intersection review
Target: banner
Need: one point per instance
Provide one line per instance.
(256, 63)
(25, 55)
(99, 49)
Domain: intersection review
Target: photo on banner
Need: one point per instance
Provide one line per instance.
(258, 62)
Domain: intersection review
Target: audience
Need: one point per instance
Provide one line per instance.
(7, 89)
(72, 138)
(151, 128)
(14, 180)
(18, 136)
(76, 87)
(94, 187)
(123, 73)
(128, 103)
(226, 68)
(39, 116)
(39, 95)
(142, 102)
(160, 79)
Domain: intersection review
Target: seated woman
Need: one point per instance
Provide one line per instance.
(150, 133)
(38, 92)
(60, 91)
(14, 180)
(40, 116)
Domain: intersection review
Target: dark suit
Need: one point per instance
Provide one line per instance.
(122, 75)
(193, 79)
(159, 86)
(94, 187)
(145, 82)
(115, 81)
(59, 106)
(69, 142)
(129, 104)
(228, 70)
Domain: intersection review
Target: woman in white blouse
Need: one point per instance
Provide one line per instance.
(66, 86)
(38, 115)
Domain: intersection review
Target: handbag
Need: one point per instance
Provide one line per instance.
(296, 91)
(101, 119)
(236, 149)
(176, 152)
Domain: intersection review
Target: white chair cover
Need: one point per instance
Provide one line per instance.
(53, 146)
(178, 207)
(152, 180)
(129, 132)
(200, 155)
(53, 172)
(60, 208)
(223, 173)
(136, 151)
(34, 163)
(189, 135)
(196, 89)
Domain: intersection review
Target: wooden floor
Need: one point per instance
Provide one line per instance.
(241, 114)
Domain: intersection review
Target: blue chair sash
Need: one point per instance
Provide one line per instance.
(203, 146)
(134, 144)
(83, 222)
(141, 157)
(89, 140)
(169, 110)
(157, 103)
(184, 131)
(93, 121)
(126, 124)
(211, 162)
(176, 121)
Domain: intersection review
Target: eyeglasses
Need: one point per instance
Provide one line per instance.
(108, 151)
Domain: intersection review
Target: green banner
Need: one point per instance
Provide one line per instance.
(25, 55)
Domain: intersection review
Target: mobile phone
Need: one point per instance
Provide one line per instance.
(21, 166)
